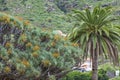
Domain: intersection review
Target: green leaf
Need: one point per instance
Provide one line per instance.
(106, 31)
(94, 39)
(89, 17)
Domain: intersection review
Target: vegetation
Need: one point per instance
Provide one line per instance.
(32, 49)
(116, 78)
(108, 67)
(50, 13)
(96, 35)
(76, 75)
(26, 52)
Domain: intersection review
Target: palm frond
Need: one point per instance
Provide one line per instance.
(95, 34)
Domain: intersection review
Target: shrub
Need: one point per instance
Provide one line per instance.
(115, 78)
(77, 75)
(108, 67)
(102, 75)
(27, 52)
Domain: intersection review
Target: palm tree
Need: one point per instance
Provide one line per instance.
(96, 35)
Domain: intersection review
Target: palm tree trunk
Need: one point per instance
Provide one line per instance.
(95, 67)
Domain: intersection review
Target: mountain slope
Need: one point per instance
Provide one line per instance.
(49, 14)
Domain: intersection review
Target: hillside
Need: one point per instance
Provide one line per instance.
(51, 14)
(48, 39)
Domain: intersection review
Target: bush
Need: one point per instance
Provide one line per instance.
(76, 75)
(102, 75)
(116, 78)
(108, 67)
(27, 52)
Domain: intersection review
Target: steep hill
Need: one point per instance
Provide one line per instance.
(51, 14)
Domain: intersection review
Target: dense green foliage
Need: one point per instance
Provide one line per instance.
(108, 67)
(31, 52)
(116, 78)
(41, 13)
(51, 14)
(76, 75)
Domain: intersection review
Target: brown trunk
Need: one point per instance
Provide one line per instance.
(95, 65)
